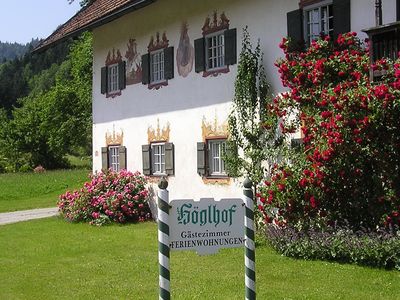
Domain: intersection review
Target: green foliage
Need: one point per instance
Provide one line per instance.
(376, 249)
(249, 136)
(43, 129)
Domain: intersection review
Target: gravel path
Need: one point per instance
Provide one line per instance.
(24, 215)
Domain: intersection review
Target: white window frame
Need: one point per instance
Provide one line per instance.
(322, 22)
(216, 164)
(113, 79)
(113, 154)
(158, 159)
(217, 59)
(157, 63)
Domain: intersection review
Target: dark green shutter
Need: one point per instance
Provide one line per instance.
(169, 158)
(146, 69)
(122, 75)
(201, 159)
(104, 74)
(230, 46)
(341, 17)
(146, 161)
(122, 157)
(295, 29)
(397, 10)
(199, 55)
(169, 63)
(104, 158)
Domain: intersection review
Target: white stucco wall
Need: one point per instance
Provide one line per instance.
(185, 101)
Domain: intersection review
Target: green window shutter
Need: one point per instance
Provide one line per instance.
(122, 157)
(199, 55)
(146, 161)
(397, 10)
(169, 158)
(104, 80)
(169, 63)
(104, 158)
(201, 159)
(230, 46)
(341, 17)
(122, 75)
(146, 69)
(295, 29)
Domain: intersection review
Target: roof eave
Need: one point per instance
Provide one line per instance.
(96, 23)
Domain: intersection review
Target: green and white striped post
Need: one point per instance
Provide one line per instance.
(163, 240)
(249, 257)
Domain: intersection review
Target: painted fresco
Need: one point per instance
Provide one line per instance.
(185, 52)
(133, 64)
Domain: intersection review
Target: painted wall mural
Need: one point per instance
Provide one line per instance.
(157, 43)
(214, 25)
(114, 138)
(185, 52)
(159, 134)
(113, 58)
(133, 63)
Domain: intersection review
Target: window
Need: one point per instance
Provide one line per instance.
(158, 158)
(313, 18)
(318, 20)
(158, 63)
(113, 157)
(216, 149)
(215, 54)
(112, 79)
(113, 152)
(157, 66)
(210, 161)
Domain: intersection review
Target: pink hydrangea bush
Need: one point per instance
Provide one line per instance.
(119, 197)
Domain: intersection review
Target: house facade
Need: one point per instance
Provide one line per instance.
(164, 72)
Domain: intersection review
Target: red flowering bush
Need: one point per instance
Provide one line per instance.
(109, 197)
(348, 168)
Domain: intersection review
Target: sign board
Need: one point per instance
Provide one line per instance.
(206, 225)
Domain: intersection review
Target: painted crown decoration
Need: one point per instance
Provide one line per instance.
(210, 129)
(215, 25)
(157, 43)
(158, 135)
(114, 138)
(113, 58)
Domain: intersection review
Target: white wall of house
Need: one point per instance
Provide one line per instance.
(186, 101)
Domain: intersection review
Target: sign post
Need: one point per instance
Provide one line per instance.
(163, 240)
(249, 256)
(205, 226)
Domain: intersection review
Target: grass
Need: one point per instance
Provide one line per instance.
(53, 259)
(19, 191)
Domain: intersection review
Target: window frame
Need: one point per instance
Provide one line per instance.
(308, 37)
(211, 158)
(161, 171)
(113, 152)
(161, 66)
(113, 79)
(221, 47)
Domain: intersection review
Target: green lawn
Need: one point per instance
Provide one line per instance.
(19, 191)
(53, 259)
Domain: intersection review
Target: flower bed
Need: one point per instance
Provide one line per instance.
(109, 197)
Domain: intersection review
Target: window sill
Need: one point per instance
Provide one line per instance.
(214, 180)
(215, 72)
(113, 94)
(157, 85)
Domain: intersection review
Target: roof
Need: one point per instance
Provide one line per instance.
(95, 14)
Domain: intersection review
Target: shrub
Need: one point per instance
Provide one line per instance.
(370, 248)
(109, 197)
(348, 168)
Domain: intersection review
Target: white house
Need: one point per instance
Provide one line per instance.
(164, 71)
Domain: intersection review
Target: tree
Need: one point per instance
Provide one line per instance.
(251, 126)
